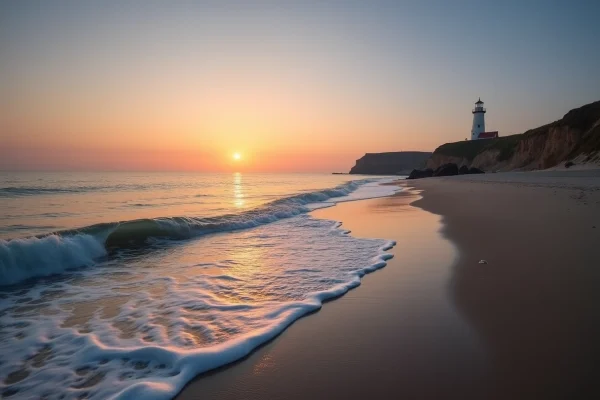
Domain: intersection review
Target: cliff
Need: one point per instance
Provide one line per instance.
(575, 137)
(393, 163)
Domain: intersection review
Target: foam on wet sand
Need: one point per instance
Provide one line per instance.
(437, 324)
(144, 321)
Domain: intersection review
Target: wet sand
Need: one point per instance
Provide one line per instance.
(396, 334)
(437, 324)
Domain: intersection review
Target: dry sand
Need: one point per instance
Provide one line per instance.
(437, 324)
(536, 304)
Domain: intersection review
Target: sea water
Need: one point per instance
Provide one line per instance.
(121, 285)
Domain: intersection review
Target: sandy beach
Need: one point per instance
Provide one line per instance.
(435, 323)
(535, 304)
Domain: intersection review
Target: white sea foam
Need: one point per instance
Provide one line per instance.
(143, 323)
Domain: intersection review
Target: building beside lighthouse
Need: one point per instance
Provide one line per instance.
(478, 129)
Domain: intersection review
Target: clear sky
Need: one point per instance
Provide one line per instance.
(291, 86)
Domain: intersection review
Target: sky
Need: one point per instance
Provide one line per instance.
(291, 86)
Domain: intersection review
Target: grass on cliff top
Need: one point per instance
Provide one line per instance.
(583, 119)
(470, 148)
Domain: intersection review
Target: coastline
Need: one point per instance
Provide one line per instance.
(391, 334)
(435, 323)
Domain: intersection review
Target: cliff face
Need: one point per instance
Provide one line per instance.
(575, 137)
(394, 163)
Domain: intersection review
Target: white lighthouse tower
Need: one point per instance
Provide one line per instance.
(478, 120)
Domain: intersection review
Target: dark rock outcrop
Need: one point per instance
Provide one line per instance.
(446, 170)
(394, 163)
(418, 174)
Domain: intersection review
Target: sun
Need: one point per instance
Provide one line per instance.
(237, 156)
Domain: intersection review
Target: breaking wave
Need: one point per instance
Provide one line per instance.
(22, 259)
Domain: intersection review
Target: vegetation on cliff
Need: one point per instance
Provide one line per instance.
(469, 149)
(574, 137)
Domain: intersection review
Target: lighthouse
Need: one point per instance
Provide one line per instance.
(478, 129)
(478, 120)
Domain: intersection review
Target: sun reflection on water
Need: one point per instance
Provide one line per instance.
(238, 190)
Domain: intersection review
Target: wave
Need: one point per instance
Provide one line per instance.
(138, 232)
(13, 191)
(21, 259)
(159, 359)
(183, 366)
(24, 191)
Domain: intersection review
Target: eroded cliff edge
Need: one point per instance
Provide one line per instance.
(575, 137)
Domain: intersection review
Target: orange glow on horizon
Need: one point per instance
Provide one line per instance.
(312, 86)
(278, 124)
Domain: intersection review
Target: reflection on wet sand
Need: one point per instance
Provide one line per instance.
(390, 337)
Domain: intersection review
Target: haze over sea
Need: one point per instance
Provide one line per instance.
(130, 284)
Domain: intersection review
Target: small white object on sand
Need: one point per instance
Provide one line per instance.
(482, 262)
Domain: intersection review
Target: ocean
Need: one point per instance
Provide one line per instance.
(127, 285)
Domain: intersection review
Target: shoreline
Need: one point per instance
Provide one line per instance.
(435, 323)
(338, 349)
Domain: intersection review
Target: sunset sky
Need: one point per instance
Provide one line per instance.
(290, 86)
